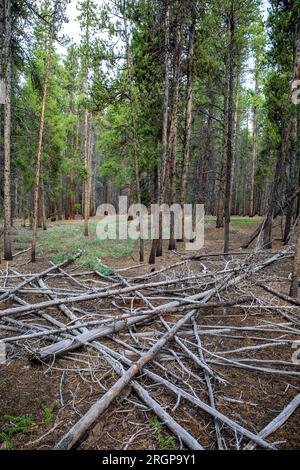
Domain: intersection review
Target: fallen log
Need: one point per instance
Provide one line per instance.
(62, 347)
(65, 346)
(170, 422)
(209, 386)
(15, 289)
(75, 434)
(277, 422)
(195, 401)
(281, 295)
(114, 292)
(84, 424)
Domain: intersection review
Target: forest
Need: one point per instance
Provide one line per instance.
(149, 342)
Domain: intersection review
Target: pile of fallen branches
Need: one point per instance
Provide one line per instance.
(140, 324)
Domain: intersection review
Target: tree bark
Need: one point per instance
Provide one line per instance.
(40, 143)
(86, 194)
(254, 151)
(188, 119)
(156, 248)
(294, 289)
(135, 132)
(235, 155)
(221, 178)
(172, 146)
(7, 132)
(230, 147)
(206, 163)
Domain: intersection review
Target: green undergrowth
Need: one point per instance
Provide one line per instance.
(62, 241)
(15, 425)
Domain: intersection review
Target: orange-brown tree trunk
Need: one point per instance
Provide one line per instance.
(254, 153)
(40, 143)
(7, 131)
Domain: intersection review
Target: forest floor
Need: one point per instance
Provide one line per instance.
(40, 402)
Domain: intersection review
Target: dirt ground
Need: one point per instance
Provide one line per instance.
(73, 383)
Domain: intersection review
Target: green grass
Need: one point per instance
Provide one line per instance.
(48, 413)
(17, 425)
(62, 241)
(238, 220)
(163, 442)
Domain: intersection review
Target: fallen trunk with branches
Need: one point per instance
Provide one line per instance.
(139, 326)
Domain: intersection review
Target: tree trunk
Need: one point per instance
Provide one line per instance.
(234, 152)
(291, 182)
(17, 208)
(235, 156)
(230, 146)
(132, 94)
(156, 248)
(174, 125)
(221, 178)
(188, 120)
(294, 289)
(86, 194)
(207, 157)
(7, 132)
(254, 152)
(40, 208)
(40, 143)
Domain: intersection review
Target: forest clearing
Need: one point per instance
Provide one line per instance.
(150, 225)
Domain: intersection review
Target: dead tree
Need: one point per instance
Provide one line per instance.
(294, 289)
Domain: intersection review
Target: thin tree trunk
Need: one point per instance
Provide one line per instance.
(221, 179)
(72, 196)
(254, 152)
(16, 198)
(7, 132)
(174, 125)
(235, 157)
(294, 289)
(40, 144)
(230, 128)
(44, 210)
(291, 181)
(135, 133)
(40, 208)
(188, 120)
(203, 167)
(86, 194)
(156, 248)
